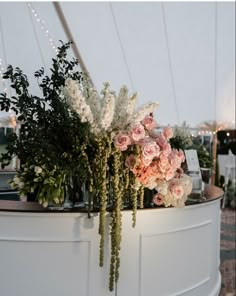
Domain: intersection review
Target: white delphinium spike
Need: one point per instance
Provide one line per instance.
(71, 89)
(77, 101)
(85, 112)
(124, 116)
(120, 106)
(122, 99)
(94, 101)
(131, 107)
(107, 111)
(125, 106)
(105, 89)
(143, 111)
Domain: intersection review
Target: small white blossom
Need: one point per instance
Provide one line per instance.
(38, 170)
(162, 187)
(56, 200)
(23, 197)
(45, 204)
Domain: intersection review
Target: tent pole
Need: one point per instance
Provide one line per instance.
(69, 35)
(214, 157)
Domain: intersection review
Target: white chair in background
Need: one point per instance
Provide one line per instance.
(229, 172)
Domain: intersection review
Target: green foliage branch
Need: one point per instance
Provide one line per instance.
(58, 153)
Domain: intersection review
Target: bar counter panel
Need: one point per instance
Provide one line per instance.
(170, 252)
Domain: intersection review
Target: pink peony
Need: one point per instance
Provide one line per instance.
(176, 190)
(130, 161)
(149, 122)
(137, 133)
(158, 199)
(122, 141)
(167, 132)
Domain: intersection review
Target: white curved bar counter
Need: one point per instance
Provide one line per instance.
(170, 252)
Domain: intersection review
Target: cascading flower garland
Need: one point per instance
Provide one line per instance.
(128, 155)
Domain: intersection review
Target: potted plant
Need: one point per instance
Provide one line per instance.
(205, 162)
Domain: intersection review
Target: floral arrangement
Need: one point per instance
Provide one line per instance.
(205, 159)
(131, 155)
(182, 138)
(74, 136)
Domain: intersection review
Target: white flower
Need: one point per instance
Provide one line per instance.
(23, 197)
(185, 184)
(162, 187)
(16, 180)
(131, 105)
(124, 108)
(107, 111)
(45, 204)
(143, 111)
(76, 100)
(21, 185)
(94, 101)
(72, 88)
(38, 170)
(17, 183)
(56, 200)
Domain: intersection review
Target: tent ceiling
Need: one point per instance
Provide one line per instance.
(169, 52)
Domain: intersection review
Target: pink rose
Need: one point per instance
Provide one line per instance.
(149, 122)
(166, 149)
(175, 161)
(130, 161)
(158, 199)
(137, 132)
(181, 155)
(146, 161)
(150, 150)
(121, 141)
(164, 161)
(161, 141)
(177, 191)
(169, 173)
(167, 132)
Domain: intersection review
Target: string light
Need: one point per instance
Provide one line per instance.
(43, 26)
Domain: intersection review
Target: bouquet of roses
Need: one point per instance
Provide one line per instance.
(154, 163)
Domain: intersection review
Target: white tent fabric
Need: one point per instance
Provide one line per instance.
(181, 54)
